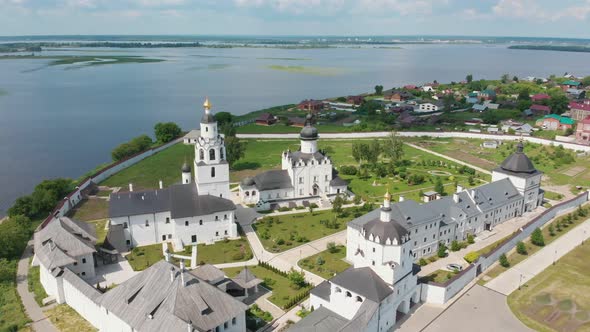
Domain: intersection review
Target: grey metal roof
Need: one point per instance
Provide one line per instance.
(362, 317)
(182, 200)
(157, 300)
(62, 240)
(273, 179)
(385, 230)
(186, 167)
(320, 320)
(246, 279)
(518, 162)
(82, 286)
(363, 281)
(208, 272)
(337, 182)
(323, 290)
(305, 157)
(208, 118)
(309, 133)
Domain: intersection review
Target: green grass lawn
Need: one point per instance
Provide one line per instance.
(164, 165)
(101, 231)
(66, 319)
(557, 298)
(515, 258)
(229, 251)
(439, 276)
(333, 263)
(35, 287)
(90, 209)
(279, 285)
(280, 233)
(553, 196)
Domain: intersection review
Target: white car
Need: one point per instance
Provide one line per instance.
(454, 267)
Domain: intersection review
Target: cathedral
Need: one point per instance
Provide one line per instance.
(188, 212)
(305, 175)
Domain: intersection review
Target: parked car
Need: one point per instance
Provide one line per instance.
(454, 267)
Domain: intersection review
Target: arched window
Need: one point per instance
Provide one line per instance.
(247, 193)
(253, 192)
(207, 129)
(212, 172)
(221, 154)
(338, 290)
(348, 294)
(201, 154)
(359, 299)
(212, 154)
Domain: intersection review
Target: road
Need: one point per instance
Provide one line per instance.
(40, 321)
(510, 280)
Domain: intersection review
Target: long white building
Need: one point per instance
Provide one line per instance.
(186, 213)
(384, 244)
(307, 174)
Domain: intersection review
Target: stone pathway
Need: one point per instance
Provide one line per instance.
(40, 322)
(479, 169)
(511, 279)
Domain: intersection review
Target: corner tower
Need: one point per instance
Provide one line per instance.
(211, 166)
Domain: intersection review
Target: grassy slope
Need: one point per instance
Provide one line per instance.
(35, 284)
(66, 319)
(334, 263)
(90, 209)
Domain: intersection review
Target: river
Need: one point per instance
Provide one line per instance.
(61, 121)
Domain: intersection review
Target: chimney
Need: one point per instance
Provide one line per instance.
(182, 272)
(456, 198)
(459, 188)
(401, 198)
(161, 184)
(189, 326)
(131, 187)
(171, 274)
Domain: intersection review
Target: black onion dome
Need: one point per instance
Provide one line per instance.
(518, 162)
(207, 118)
(248, 181)
(385, 230)
(309, 132)
(186, 168)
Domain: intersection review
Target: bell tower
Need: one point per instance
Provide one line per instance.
(211, 166)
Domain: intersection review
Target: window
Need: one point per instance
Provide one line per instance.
(216, 218)
(373, 263)
(201, 222)
(253, 192)
(193, 238)
(359, 299)
(233, 321)
(225, 217)
(128, 242)
(147, 223)
(216, 233)
(186, 223)
(326, 178)
(167, 220)
(83, 273)
(338, 290)
(373, 249)
(212, 154)
(225, 325)
(164, 237)
(212, 172)
(348, 294)
(125, 225)
(169, 236)
(201, 154)
(225, 232)
(75, 263)
(301, 180)
(221, 153)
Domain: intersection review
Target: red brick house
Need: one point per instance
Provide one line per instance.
(311, 105)
(355, 100)
(540, 96)
(398, 96)
(266, 119)
(579, 110)
(583, 131)
(537, 109)
(297, 122)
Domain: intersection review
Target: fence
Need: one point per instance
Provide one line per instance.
(73, 198)
(440, 293)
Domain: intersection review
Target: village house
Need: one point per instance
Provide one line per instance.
(191, 137)
(398, 95)
(539, 97)
(296, 122)
(579, 110)
(429, 106)
(266, 119)
(570, 84)
(311, 105)
(538, 110)
(583, 131)
(555, 122)
(479, 107)
(487, 94)
(575, 93)
(355, 100)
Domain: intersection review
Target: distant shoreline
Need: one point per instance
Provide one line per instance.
(559, 48)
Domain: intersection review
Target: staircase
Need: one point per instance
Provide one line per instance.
(324, 201)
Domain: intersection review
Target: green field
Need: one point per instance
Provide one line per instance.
(279, 285)
(333, 263)
(557, 299)
(228, 251)
(90, 209)
(439, 276)
(35, 287)
(101, 230)
(66, 319)
(83, 60)
(164, 166)
(280, 233)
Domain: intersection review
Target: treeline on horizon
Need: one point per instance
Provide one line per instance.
(562, 48)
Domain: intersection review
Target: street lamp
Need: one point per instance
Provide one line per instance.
(555, 257)
(520, 281)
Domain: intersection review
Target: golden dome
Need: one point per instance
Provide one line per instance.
(387, 195)
(207, 104)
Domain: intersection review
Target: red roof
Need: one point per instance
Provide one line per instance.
(578, 106)
(410, 87)
(586, 120)
(540, 96)
(537, 107)
(265, 117)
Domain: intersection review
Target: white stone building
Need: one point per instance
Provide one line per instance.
(307, 174)
(185, 213)
(384, 244)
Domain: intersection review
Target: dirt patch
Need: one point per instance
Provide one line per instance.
(471, 159)
(574, 171)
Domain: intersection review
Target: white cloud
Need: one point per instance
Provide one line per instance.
(530, 9)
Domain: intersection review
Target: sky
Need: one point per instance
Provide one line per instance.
(529, 18)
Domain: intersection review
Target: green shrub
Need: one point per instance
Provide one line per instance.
(537, 238)
(238, 256)
(521, 248)
(331, 246)
(442, 250)
(470, 239)
(504, 261)
(422, 262)
(455, 246)
(471, 257)
(280, 242)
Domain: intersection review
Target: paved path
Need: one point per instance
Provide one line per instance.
(40, 321)
(479, 309)
(522, 272)
(499, 232)
(479, 169)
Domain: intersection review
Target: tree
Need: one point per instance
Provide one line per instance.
(234, 149)
(331, 247)
(320, 260)
(166, 131)
(521, 248)
(469, 78)
(537, 238)
(524, 94)
(136, 145)
(394, 147)
(43, 198)
(551, 230)
(228, 129)
(504, 78)
(455, 246)
(378, 90)
(442, 250)
(504, 261)
(470, 239)
(357, 152)
(337, 204)
(296, 278)
(448, 101)
(586, 81)
(471, 180)
(515, 78)
(558, 103)
(223, 118)
(438, 186)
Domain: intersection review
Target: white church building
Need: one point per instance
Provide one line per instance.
(384, 244)
(189, 212)
(307, 174)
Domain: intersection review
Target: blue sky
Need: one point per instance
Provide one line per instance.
(552, 18)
